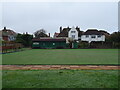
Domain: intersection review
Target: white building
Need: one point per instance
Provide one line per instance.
(78, 35)
(73, 33)
(93, 35)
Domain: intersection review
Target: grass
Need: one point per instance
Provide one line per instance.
(62, 56)
(60, 79)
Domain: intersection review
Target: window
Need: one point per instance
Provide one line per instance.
(73, 36)
(87, 36)
(93, 36)
(99, 36)
(72, 31)
(35, 43)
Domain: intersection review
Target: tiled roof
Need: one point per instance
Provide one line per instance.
(92, 32)
(104, 32)
(7, 32)
(64, 32)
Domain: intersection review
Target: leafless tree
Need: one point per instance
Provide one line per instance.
(40, 33)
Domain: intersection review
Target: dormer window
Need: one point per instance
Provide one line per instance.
(72, 31)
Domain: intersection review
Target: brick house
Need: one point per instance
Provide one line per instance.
(7, 35)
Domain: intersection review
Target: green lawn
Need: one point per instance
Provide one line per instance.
(60, 79)
(62, 56)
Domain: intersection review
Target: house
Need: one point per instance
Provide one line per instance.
(69, 38)
(73, 32)
(60, 40)
(7, 35)
(93, 35)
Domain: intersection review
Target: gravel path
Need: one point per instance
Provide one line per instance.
(59, 67)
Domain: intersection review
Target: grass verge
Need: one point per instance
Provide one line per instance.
(60, 79)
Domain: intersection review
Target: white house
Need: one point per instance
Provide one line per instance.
(78, 35)
(92, 35)
(73, 33)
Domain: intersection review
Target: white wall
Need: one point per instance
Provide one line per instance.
(70, 34)
(89, 39)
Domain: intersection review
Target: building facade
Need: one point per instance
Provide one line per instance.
(93, 35)
(69, 38)
(73, 33)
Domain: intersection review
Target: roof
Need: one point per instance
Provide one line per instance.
(7, 32)
(64, 32)
(53, 39)
(92, 32)
(104, 32)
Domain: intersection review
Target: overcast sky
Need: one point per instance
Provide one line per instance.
(32, 16)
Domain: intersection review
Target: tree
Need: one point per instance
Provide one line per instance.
(40, 33)
(70, 40)
(114, 38)
(25, 39)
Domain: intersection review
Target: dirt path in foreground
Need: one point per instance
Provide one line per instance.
(59, 67)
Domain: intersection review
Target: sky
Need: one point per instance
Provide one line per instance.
(32, 16)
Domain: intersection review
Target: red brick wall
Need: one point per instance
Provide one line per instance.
(5, 38)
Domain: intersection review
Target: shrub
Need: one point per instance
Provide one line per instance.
(83, 44)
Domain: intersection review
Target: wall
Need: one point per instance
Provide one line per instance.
(49, 44)
(76, 33)
(89, 39)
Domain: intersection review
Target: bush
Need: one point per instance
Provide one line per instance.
(83, 44)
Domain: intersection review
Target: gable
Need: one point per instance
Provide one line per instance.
(73, 30)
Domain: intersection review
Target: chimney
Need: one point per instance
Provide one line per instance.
(49, 34)
(68, 27)
(4, 28)
(60, 29)
(78, 28)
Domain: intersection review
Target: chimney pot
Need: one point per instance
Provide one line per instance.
(49, 34)
(4, 28)
(60, 29)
